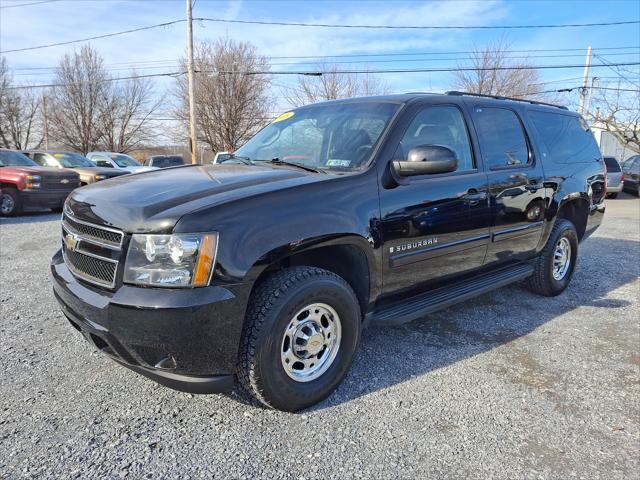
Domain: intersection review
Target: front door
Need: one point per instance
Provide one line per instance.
(516, 183)
(434, 226)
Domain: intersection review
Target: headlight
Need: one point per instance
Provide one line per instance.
(33, 181)
(179, 260)
(100, 177)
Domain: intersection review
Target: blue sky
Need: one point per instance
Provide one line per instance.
(157, 50)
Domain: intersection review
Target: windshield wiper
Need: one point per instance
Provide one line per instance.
(245, 160)
(277, 161)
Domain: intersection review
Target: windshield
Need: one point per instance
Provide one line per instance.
(15, 159)
(338, 136)
(123, 160)
(70, 160)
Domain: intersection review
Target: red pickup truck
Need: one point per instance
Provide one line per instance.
(24, 184)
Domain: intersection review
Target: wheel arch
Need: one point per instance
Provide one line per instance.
(349, 256)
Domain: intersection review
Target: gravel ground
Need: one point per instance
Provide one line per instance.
(510, 385)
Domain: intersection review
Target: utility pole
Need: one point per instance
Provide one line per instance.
(583, 89)
(46, 121)
(192, 86)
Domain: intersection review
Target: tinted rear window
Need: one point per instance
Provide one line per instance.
(502, 140)
(612, 164)
(567, 137)
(164, 162)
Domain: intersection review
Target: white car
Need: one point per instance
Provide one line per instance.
(117, 160)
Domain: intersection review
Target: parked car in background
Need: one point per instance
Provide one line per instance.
(87, 170)
(631, 172)
(614, 177)
(221, 157)
(164, 161)
(25, 185)
(117, 160)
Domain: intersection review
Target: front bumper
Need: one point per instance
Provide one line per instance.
(186, 339)
(44, 198)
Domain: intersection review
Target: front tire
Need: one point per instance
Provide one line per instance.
(10, 204)
(301, 332)
(554, 267)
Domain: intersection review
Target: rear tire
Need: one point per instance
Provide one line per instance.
(10, 204)
(279, 366)
(612, 195)
(554, 267)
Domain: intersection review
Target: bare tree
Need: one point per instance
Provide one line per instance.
(90, 109)
(124, 112)
(82, 78)
(331, 85)
(494, 72)
(19, 113)
(231, 102)
(618, 112)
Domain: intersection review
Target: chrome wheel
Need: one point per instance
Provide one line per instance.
(8, 204)
(561, 258)
(311, 342)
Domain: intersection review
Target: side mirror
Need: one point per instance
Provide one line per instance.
(426, 160)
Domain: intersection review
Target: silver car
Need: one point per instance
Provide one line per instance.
(117, 160)
(614, 177)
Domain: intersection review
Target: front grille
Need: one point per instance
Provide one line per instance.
(90, 268)
(91, 252)
(56, 182)
(91, 232)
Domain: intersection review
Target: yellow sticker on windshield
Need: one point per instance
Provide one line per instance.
(284, 116)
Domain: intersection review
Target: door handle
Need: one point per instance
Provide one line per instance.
(474, 197)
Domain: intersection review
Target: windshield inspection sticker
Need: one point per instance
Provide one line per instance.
(284, 116)
(338, 163)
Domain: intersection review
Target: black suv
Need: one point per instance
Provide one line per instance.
(266, 267)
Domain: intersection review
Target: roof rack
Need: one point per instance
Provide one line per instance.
(498, 97)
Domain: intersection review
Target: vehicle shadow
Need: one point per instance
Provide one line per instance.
(31, 217)
(391, 355)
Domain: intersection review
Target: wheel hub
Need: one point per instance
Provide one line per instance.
(6, 203)
(310, 342)
(561, 258)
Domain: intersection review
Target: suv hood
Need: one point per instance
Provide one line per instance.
(155, 201)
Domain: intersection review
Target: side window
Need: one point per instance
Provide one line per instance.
(567, 137)
(440, 125)
(501, 137)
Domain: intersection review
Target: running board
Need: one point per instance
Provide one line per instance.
(443, 297)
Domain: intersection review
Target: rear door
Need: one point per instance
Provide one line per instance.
(516, 182)
(434, 226)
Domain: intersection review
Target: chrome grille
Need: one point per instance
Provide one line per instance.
(49, 182)
(91, 252)
(93, 233)
(90, 268)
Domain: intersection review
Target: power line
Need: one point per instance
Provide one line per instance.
(327, 25)
(28, 4)
(106, 35)
(418, 27)
(320, 73)
(176, 63)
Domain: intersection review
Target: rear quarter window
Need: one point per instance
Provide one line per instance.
(612, 164)
(567, 138)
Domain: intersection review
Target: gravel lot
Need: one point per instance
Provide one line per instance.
(510, 385)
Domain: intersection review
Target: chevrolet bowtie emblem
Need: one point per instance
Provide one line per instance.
(64, 180)
(71, 241)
